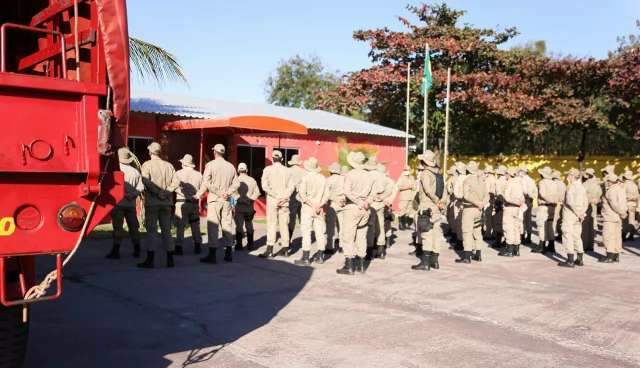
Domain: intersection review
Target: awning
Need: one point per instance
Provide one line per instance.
(247, 123)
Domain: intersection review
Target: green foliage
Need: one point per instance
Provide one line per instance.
(154, 62)
(296, 82)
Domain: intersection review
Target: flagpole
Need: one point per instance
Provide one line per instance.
(406, 137)
(425, 129)
(446, 125)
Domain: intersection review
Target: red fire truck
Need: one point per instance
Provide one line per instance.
(64, 106)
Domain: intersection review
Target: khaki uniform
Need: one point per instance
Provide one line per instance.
(501, 185)
(187, 204)
(531, 194)
(296, 173)
(590, 225)
(335, 210)
(357, 189)
(630, 225)
(376, 235)
(278, 185)
(451, 201)
(406, 189)
(561, 189)
(246, 194)
(389, 195)
(313, 194)
(458, 194)
(614, 209)
(432, 238)
(126, 208)
(514, 200)
(221, 181)
(547, 199)
(160, 182)
(573, 211)
(489, 208)
(475, 197)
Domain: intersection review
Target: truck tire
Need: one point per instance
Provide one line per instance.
(13, 337)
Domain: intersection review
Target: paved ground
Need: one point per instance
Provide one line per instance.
(255, 313)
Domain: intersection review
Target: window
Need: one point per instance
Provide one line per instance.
(287, 153)
(138, 145)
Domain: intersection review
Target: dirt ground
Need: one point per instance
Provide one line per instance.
(253, 312)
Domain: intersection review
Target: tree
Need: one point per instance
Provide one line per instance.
(151, 61)
(296, 82)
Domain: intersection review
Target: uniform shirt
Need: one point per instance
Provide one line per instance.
(501, 185)
(297, 173)
(247, 192)
(277, 182)
(132, 186)
(514, 192)
(561, 189)
(490, 183)
(631, 190)
(190, 181)
(449, 188)
(406, 185)
(219, 179)
(614, 203)
(547, 192)
(335, 187)
(594, 190)
(313, 190)
(475, 191)
(390, 190)
(378, 184)
(458, 187)
(357, 187)
(575, 200)
(529, 185)
(160, 181)
(427, 191)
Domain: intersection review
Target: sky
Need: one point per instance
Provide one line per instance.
(229, 48)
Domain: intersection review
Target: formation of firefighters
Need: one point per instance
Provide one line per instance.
(351, 210)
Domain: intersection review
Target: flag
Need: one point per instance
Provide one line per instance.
(427, 77)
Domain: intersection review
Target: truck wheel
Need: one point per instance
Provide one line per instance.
(13, 337)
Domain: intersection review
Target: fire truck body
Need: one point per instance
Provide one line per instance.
(64, 92)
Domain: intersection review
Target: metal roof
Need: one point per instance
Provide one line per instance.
(202, 108)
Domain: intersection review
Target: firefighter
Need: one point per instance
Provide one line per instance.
(160, 182)
(405, 186)
(574, 210)
(530, 194)
(614, 211)
(297, 172)
(547, 199)
(187, 204)
(246, 194)
(126, 208)
(514, 204)
(335, 187)
(220, 182)
(501, 184)
(561, 189)
(594, 195)
(629, 225)
(458, 194)
(376, 238)
(388, 196)
(278, 186)
(487, 212)
(313, 194)
(475, 196)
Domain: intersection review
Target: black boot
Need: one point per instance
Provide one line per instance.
(523, 238)
(465, 257)
(304, 261)
(579, 261)
(551, 247)
(211, 257)
(478, 256)
(425, 263)
(115, 252)
(318, 257)
(337, 245)
(360, 265)
(382, 252)
(538, 248)
(170, 263)
(239, 241)
(507, 251)
(136, 250)
(516, 250)
(528, 240)
(569, 262)
(283, 252)
(228, 254)
(616, 257)
(197, 248)
(148, 262)
(178, 251)
(347, 269)
(434, 261)
(267, 253)
(249, 241)
(607, 259)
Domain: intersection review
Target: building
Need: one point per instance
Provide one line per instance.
(250, 132)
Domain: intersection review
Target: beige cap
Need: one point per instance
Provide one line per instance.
(472, 167)
(219, 148)
(335, 168)
(154, 148)
(276, 154)
(590, 171)
(428, 158)
(461, 168)
(573, 172)
(356, 159)
(501, 170)
(187, 160)
(488, 169)
(609, 169)
(311, 164)
(556, 174)
(611, 178)
(242, 167)
(125, 156)
(295, 160)
(546, 172)
(513, 171)
(372, 163)
(628, 174)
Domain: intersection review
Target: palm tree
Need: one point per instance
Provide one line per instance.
(151, 61)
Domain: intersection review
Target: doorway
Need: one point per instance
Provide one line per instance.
(255, 158)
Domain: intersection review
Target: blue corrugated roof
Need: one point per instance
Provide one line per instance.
(209, 109)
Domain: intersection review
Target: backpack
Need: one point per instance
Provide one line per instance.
(439, 185)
